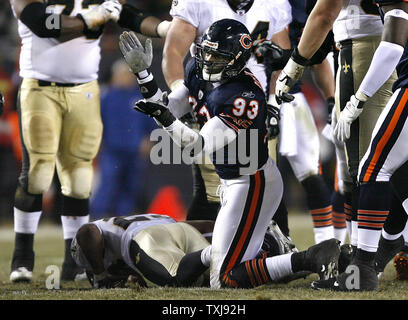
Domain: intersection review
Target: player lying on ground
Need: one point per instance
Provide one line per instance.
(234, 103)
(149, 247)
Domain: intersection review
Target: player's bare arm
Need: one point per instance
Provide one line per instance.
(317, 27)
(45, 25)
(324, 79)
(180, 36)
(383, 64)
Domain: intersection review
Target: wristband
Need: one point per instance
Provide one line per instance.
(298, 58)
(147, 84)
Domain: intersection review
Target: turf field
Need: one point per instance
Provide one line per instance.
(49, 250)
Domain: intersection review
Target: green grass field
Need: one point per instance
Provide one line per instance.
(49, 251)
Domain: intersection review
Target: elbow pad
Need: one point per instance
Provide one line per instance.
(42, 24)
(131, 18)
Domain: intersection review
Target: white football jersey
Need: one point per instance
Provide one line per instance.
(269, 16)
(74, 61)
(357, 19)
(114, 228)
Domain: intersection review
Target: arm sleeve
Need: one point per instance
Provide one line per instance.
(131, 18)
(35, 18)
(214, 135)
(187, 10)
(382, 66)
(178, 101)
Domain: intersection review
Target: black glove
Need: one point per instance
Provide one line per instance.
(1, 103)
(273, 121)
(330, 104)
(157, 110)
(267, 51)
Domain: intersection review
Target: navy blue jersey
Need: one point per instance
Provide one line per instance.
(387, 2)
(240, 104)
(402, 67)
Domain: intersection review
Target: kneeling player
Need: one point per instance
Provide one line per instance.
(231, 102)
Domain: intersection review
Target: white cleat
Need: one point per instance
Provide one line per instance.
(21, 274)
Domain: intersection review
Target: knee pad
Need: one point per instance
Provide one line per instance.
(27, 202)
(40, 140)
(76, 181)
(74, 207)
(41, 173)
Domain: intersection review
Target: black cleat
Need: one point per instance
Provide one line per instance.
(346, 255)
(359, 276)
(323, 258)
(22, 266)
(387, 249)
(276, 243)
(71, 272)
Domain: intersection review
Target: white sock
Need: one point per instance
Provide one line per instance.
(71, 224)
(279, 266)
(206, 256)
(340, 234)
(388, 236)
(349, 231)
(354, 233)
(368, 239)
(26, 222)
(323, 233)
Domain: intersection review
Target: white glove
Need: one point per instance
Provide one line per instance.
(101, 14)
(114, 8)
(137, 57)
(287, 79)
(350, 113)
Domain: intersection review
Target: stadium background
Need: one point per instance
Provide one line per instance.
(163, 188)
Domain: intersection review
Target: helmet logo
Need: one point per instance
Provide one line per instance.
(210, 44)
(246, 41)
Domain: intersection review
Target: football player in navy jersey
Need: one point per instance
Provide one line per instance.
(234, 106)
(387, 150)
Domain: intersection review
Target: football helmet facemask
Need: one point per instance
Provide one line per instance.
(224, 50)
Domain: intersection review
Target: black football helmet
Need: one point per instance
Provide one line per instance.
(240, 5)
(224, 50)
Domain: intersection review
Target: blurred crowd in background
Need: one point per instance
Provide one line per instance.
(125, 179)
